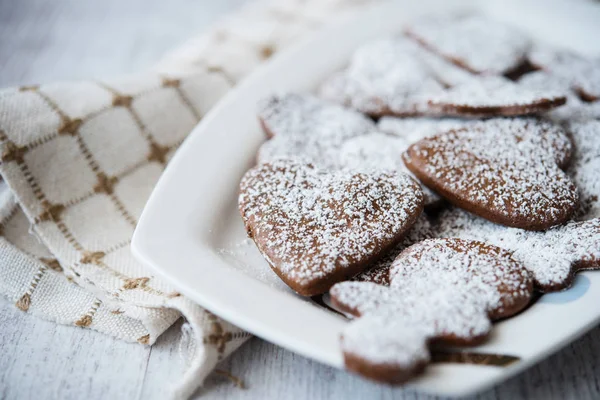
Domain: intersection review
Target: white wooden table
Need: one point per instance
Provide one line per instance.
(41, 41)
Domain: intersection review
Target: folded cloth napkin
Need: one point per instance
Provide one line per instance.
(79, 161)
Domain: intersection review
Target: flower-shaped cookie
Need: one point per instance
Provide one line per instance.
(441, 290)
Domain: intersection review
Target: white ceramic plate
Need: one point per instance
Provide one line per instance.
(192, 235)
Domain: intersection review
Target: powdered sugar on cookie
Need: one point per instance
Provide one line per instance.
(505, 170)
(317, 228)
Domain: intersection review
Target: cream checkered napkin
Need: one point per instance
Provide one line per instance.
(79, 161)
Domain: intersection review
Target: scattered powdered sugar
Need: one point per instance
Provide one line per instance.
(504, 169)
(440, 288)
(493, 95)
(551, 256)
(308, 129)
(474, 42)
(585, 166)
(583, 74)
(413, 129)
(379, 152)
(310, 224)
(384, 77)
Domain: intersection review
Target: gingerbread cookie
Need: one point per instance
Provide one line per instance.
(317, 228)
(441, 290)
(305, 128)
(380, 152)
(493, 96)
(505, 170)
(473, 42)
(384, 78)
(583, 74)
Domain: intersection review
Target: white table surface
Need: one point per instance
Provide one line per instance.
(43, 41)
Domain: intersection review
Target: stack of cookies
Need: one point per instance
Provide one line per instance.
(431, 187)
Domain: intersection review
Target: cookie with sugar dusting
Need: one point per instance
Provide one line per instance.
(553, 257)
(583, 74)
(441, 290)
(384, 77)
(493, 96)
(473, 42)
(380, 152)
(505, 170)
(306, 128)
(316, 228)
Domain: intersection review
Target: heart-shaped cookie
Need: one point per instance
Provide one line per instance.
(317, 228)
(505, 170)
(441, 290)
